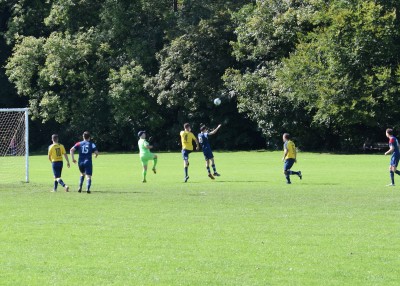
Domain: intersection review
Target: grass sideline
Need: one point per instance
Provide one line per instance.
(338, 226)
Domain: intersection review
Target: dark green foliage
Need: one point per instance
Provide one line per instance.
(327, 71)
(346, 73)
(189, 78)
(318, 67)
(267, 32)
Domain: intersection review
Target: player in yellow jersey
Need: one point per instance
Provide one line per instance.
(289, 158)
(187, 138)
(56, 153)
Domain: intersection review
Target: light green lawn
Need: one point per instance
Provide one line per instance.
(338, 226)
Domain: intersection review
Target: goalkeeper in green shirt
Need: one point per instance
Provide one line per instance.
(145, 154)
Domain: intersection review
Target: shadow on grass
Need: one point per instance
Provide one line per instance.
(320, 184)
(117, 192)
(202, 194)
(217, 181)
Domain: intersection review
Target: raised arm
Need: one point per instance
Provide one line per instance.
(215, 130)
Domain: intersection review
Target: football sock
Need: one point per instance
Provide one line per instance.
(88, 184)
(144, 173)
(208, 169)
(397, 172)
(81, 181)
(186, 171)
(155, 163)
(294, 173)
(392, 176)
(215, 169)
(288, 178)
(61, 182)
(55, 184)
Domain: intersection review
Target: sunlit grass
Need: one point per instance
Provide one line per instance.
(337, 226)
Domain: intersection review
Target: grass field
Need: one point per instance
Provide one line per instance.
(338, 226)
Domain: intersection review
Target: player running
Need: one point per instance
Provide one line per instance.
(394, 150)
(86, 149)
(56, 153)
(205, 146)
(289, 157)
(187, 139)
(145, 154)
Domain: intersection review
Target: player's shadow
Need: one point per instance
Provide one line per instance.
(123, 192)
(321, 184)
(249, 181)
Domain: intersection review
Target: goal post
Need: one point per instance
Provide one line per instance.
(14, 145)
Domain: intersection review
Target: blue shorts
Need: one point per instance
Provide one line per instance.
(185, 154)
(288, 164)
(86, 167)
(57, 168)
(394, 160)
(208, 154)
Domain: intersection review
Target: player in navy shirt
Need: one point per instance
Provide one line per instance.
(85, 149)
(394, 150)
(205, 146)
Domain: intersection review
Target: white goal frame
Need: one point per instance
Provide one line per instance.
(26, 111)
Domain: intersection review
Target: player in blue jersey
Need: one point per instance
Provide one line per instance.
(394, 150)
(205, 146)
(85, 149)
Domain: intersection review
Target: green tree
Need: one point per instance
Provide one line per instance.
(57, 74)
(190, 75)
(26, 19)
(135, 30)
(131, 106)
(84, 65)
(8, 95)
(74, 73)
(267, 32)
(346, 72)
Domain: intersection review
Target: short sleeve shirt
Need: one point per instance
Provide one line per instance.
(289, 145)
(187, 140)
(56, 152)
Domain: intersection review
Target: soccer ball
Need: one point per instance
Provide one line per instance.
(217, 101)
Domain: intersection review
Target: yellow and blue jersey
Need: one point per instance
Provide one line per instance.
(291, 149)
(56, 152)
(187, 140)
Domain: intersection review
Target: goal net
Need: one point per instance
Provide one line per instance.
(14, 149)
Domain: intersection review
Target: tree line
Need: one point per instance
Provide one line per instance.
(326, 71)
